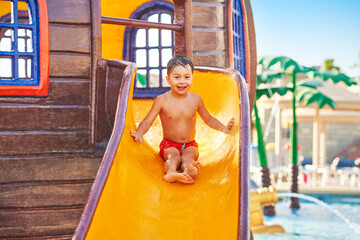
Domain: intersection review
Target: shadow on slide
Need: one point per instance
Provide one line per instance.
(129, 199)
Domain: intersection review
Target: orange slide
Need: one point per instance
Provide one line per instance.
(129, 199)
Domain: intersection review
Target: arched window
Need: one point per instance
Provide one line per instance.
(150, 49)
(238, 39)
(22, 52)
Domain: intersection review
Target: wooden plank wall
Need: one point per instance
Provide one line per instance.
(45, 156)
(34, 125)
(210, 44)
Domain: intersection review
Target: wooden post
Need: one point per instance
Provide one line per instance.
(141, 23)
(316, 145)
(322, 162)
(278, 155)
(96, 52)
(316, 139)
(183, 39)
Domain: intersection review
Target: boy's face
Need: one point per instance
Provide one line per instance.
(180, 79)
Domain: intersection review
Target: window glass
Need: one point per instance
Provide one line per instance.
(140, 38)
(166, 38)
(153, 18)
(7, 39)
(154, 58)
(25, 65)
(166, 54)
(6, 68)
(153, 37)
(154, 78)
(25, 40)
(165, 18)
(141, 58)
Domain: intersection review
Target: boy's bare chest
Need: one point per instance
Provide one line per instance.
(185, 111)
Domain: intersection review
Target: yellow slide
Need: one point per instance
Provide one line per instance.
(129, 199)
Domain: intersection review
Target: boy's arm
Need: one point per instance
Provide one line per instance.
(212, 121)
(145, 124)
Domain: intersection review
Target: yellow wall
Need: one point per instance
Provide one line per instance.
(113, 35)
(5, 7)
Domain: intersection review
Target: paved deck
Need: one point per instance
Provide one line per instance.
(323, 181)
(328, 189)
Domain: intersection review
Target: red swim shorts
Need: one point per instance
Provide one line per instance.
(180, 146)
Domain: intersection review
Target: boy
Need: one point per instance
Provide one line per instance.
(177, 109)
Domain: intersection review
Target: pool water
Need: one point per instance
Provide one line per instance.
(312, 221)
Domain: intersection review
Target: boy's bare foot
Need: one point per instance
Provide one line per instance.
(193, 169)
(179, 177)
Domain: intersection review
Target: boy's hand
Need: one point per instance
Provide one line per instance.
(229, 126)
(137, 136)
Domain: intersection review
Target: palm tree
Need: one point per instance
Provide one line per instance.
(303, 91)
(288, 66)
(265, 173)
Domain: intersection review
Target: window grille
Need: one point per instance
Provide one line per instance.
(19, 48)
(150, 49)
(238, 40)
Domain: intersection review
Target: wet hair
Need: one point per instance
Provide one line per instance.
(178, 60)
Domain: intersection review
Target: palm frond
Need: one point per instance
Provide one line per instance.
(308, 95)
(335, 77)
(312, 83)
(286, 63)
(270, 91)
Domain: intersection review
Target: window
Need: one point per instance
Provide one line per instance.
(150, 49)
(238, 40)
(24, 56)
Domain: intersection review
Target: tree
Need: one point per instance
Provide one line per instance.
(265, 177)
(303, 91)
(288, 66)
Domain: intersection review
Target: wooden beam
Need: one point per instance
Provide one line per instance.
(141, 23)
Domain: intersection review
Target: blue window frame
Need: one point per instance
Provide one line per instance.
(19, 45)
(238, 39)
(150, 49)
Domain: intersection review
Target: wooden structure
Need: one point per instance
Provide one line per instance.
(47, 159)
(51, 146)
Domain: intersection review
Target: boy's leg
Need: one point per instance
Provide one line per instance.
(172, 163)
(190, 165)
(172, 159)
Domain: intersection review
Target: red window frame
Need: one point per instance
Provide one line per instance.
(43, 88)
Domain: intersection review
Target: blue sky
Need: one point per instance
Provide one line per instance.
(309, 31)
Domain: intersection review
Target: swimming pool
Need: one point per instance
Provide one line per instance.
(313, 221)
